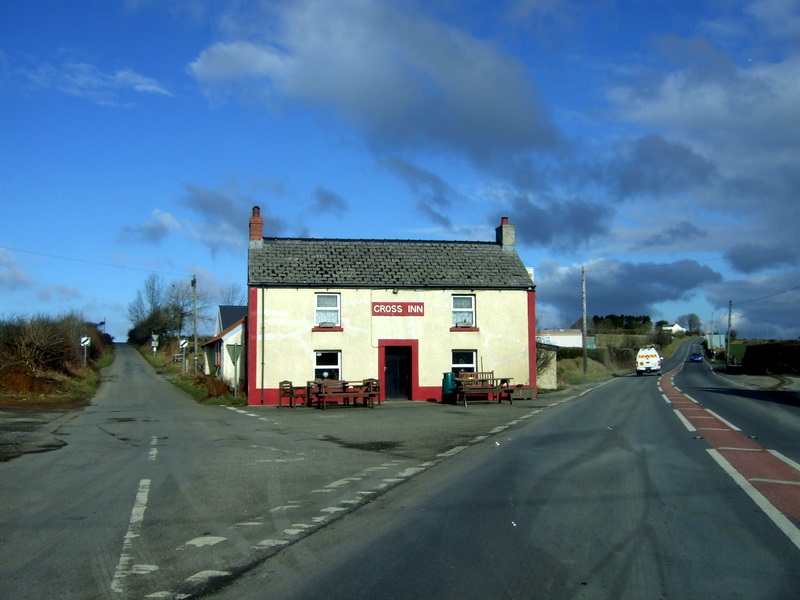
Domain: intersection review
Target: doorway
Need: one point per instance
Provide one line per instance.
(397, 372)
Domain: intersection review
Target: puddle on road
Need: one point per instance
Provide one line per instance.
(375, 446)
(24, 435)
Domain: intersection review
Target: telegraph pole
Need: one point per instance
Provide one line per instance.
(728, 337)
(194, 289)
(583, 334)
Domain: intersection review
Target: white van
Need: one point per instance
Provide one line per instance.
(648, 360)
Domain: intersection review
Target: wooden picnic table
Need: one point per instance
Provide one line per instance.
(325, 391)
(482, 383)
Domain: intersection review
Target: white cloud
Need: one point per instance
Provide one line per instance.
(87, 81)
(402, 77)
(11, 276)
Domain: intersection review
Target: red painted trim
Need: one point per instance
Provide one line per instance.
(532, 340)
(416, 391)
(430, 392)
(464, 329)
(253, 323)
(327, 329)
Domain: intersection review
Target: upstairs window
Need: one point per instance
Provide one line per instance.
(463, 311)
(326, 310)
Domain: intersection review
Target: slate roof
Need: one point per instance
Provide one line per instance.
(230, 314)
(309, 262)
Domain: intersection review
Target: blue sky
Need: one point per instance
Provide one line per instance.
(656, 143)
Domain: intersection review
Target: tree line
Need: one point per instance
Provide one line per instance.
(636, 324)
(169, 309)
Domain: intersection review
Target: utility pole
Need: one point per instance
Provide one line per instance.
(194, 289)
(583, 333)
(728, 337)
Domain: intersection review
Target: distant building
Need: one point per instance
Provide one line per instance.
(674, 329)
(224, 353)
(563, 338)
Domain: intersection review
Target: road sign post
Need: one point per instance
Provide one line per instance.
(235, 351)
(86, 341)
(184, 343)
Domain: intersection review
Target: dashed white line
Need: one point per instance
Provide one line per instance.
(153, 448)
(683, 420)
(124, 567)
(205, 540)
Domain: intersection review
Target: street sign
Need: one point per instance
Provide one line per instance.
(86, 341)
(184, 343)
(154, 336)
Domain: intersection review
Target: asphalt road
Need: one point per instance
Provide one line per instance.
(607, 496)
(144, 493)
(150, 494)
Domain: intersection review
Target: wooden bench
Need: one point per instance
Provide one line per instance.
(482, 383)
(291, 393)
(325, 391)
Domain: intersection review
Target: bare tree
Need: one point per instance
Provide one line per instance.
(232, 294)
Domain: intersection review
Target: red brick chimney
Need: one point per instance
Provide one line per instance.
(256, 227)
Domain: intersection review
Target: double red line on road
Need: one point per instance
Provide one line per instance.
(775, 479)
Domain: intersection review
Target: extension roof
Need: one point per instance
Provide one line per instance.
(310, 262)
(230, 314)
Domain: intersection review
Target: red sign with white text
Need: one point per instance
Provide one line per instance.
(398, 309)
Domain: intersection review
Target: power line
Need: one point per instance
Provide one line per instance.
(769, 296)
(92, 262)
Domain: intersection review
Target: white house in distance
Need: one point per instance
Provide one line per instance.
(224, 353)
(563, 338)
(401, 311)
(673, 329)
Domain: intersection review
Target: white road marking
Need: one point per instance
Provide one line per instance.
(785, 459)
(271, 543)
(153, 448)
(206, 576)
(205, 540)
(683, 420)
(783, 523)
(782, 481)
(124, 567)
(728, 423)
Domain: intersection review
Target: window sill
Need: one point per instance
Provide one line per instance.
(464, 329)
(327, 329)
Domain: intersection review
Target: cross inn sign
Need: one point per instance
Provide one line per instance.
(398, 309)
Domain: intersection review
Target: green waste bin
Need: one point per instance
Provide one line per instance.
(449, 387)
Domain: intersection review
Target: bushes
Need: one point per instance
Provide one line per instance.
(42, 345)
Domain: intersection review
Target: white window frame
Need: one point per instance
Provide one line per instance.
(463, 314)
(456, 367)
(318, 318)
(320, 368)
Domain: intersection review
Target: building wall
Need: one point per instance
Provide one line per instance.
(563, 339)
(285, 343)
